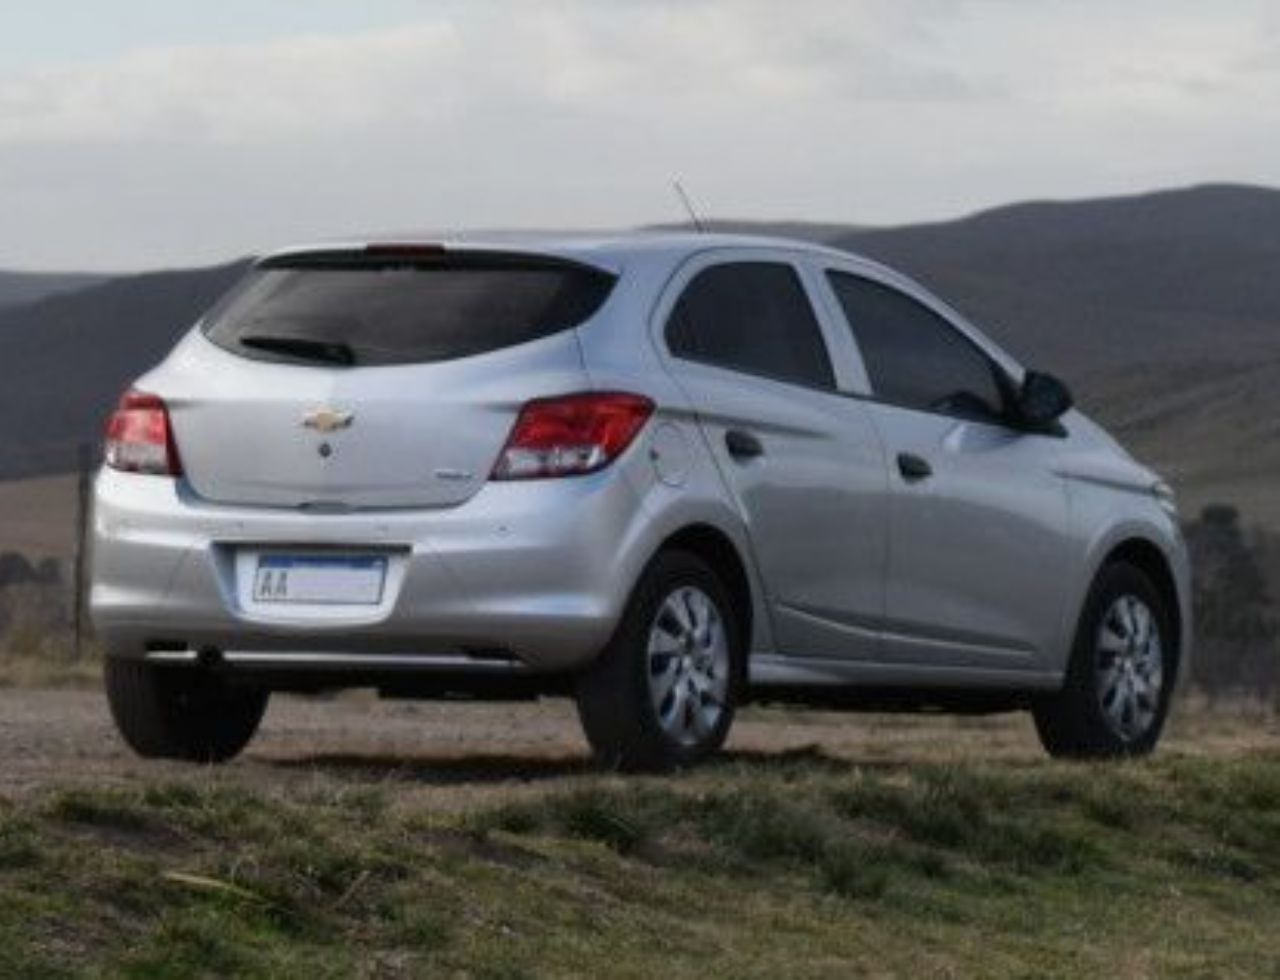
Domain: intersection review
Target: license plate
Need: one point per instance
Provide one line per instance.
(320, 580)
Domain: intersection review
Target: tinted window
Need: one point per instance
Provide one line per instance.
(752, 317)
(913, 356)
(395, 312)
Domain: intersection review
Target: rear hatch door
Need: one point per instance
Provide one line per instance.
(373, 378)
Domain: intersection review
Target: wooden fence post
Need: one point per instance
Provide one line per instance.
(84, 470)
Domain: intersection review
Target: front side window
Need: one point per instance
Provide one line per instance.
(914, 357)
(752, 317)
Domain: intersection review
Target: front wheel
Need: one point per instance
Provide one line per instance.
(185, 713)
(662, 693)
(1120, 678)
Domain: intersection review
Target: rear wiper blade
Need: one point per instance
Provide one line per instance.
(304, 348)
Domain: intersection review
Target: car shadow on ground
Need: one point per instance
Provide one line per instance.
(488, 768)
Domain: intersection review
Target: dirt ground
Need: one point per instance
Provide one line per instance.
(453, 755)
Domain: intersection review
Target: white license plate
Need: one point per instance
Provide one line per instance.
(330, 580)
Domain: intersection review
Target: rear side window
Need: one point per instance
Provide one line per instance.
(752, 317)
(914, 357)
(359, 311)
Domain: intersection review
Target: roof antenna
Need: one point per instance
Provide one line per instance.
(688, 206)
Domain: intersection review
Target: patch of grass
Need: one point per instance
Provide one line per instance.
(854, 871)
(755, 824)
(770, 866)
(196, 942)
(99, 808)
(621, 820)
(19, 843)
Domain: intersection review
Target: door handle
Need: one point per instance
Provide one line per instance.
(913, 467)
(742, 445)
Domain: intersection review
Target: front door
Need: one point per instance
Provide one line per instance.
(978, 518)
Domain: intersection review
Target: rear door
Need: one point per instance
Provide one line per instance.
(978, 519)
(740, 335)
(365, 380)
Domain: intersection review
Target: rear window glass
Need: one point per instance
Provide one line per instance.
(363, 312)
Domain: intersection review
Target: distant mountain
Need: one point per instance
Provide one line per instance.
(17, 288)
(1161, 310)
(65, 360)
(805, 231)
(1095, 282)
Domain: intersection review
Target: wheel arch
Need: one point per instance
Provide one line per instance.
(719, 551)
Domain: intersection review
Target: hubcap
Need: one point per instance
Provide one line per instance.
(1130, 667)
(688, 665)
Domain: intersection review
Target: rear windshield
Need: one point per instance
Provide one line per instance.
(361, 311)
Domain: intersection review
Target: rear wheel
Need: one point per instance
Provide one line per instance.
(662, 693)
(181, 712)
(1120, 678)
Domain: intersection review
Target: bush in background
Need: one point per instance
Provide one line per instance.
(1236, 651)
(37, 644)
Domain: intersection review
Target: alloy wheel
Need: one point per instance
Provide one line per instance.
(688, 665)
(1130, 667)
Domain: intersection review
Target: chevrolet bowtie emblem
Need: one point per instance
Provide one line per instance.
(328, 420)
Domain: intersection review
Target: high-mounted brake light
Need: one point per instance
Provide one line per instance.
(140, 437)
(571, 435)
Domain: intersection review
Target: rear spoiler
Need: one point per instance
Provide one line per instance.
(413, 255)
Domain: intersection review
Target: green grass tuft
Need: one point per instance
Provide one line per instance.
(760, 866)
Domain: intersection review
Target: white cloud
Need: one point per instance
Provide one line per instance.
(562, 54)
(577, 112)
(272, 91)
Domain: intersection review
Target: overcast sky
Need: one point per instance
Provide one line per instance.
(141, 133)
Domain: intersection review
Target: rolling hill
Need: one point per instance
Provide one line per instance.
(65, 359)
(17, 288)
(1161, 310)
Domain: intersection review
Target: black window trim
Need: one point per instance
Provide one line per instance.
(682, 282)
(1002, 378)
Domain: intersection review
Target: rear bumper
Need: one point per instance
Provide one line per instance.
(539, 570)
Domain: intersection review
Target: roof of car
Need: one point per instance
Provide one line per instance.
(604, 249)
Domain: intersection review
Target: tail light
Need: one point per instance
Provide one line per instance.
(571, 434)
(140, 437)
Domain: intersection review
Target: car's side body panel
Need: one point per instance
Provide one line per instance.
(977, 547)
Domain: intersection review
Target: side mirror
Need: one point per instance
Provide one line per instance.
(1043, 399)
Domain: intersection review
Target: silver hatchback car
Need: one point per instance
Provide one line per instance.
(662, 473)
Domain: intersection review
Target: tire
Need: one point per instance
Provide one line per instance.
(1115, 698)
(661, 695)
(181, 712)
